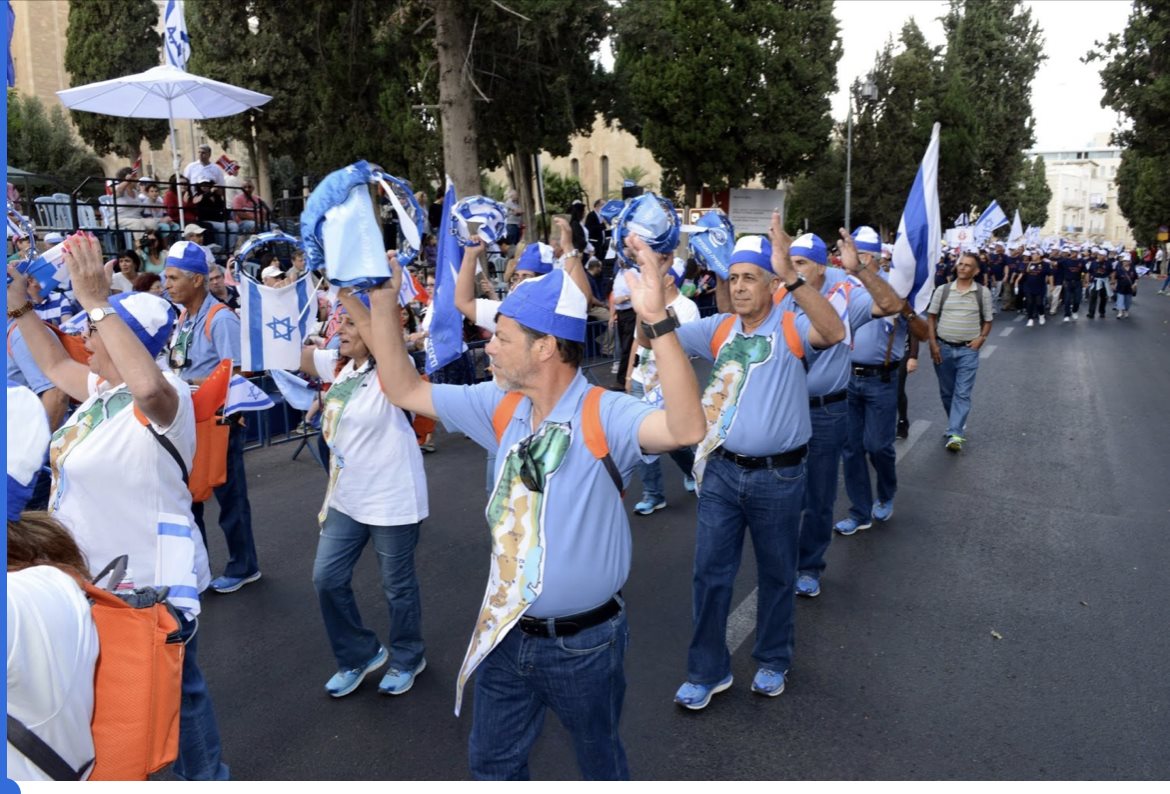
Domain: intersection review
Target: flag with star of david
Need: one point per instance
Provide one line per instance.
(274, 322)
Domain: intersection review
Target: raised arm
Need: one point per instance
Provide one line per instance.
(825, 328)
(381, 330)
(69, 376)
(885, 300)
(682, 422)
(465, 281)
(573, 267)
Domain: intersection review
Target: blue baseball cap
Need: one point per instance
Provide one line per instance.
(811, 247)
(188, 256)
(752, 249)
(552, 304)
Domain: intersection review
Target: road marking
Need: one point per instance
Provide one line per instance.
(742, 620)
(1006, 331)
(1018, 318)
(987, 351)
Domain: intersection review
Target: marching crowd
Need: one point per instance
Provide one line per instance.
(809, 352)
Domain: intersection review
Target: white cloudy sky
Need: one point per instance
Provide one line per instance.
(1066, 94)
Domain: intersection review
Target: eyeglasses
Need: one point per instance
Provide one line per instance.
(530, 473)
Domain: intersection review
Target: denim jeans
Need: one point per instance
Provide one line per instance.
(235, 512)
(199, 747)
(651, 473)
(1072, 297)
(956, 379)
(340, 545)
(768, 502)
(580, 677)
(829, 425)
(873, 424)
(1124, 302)
(227, 230)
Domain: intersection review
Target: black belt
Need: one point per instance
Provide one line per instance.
(869, 370)
(828, 399)
(782, 460)
(570, 624)
(954, 344)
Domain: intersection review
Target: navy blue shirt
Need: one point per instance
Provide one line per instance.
(1034, 278)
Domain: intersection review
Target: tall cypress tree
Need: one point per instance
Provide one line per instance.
(108, 39)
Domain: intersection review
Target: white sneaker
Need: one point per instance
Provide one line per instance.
(616, 366)
(1067, 319)
(1042, 319)
(1074, 315)
(1031, 323)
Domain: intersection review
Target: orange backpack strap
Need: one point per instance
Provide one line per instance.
(504, 411)
(215, 309)
(780, 294)
(722, 331)
(594, 434)
(792, 337)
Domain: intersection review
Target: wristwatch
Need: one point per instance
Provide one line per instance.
(800, 282)
(663, 326)
(99, 313)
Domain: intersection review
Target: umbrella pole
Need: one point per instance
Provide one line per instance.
(176, 162)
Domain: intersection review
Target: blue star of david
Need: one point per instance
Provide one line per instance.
(282, 328)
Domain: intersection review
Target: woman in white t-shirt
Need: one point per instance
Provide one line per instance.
(130, 412)
(52, 640)
(377, 490)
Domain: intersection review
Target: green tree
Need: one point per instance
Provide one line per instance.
(814, 200)
(724, 92)
(560, 191)
(108, 39)
(892, 132)
(45, 143)
(993, 51)
(1033, 195)
(1135, 74)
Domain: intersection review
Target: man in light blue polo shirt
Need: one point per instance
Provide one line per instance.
(873, 414)
(750, 465)
(197, 347)
(858, 295)
(552, 629)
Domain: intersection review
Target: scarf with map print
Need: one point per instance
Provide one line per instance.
(516, 517)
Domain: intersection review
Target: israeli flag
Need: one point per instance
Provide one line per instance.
(274, 323)
(48, 269)
(244, 395)
(919, 240)
(296, 391)
(176, 42)
(1032, 235)
(992, 218)
(445, 343)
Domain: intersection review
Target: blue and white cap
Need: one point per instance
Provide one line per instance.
(537, 258)
(654, 220)
(188, 256)
(611, 209)
(488, 213)
(28, 438)
(552, 304)
(867, 240)
(753, 249)
(150, 317)
(810, 247)
(678, 269)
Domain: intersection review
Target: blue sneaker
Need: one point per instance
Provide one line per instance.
(396, 681)
(851, 525)
(648, 506)
(768, 682)
(345, 681)
(230, 584)
(689, 484)
(882, 511)
(697, 696)
(808, 586)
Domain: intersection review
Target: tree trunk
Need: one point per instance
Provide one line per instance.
(456, 108)
(264, 175)
(524, 186)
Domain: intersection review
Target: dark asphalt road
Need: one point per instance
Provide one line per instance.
(1051, 530)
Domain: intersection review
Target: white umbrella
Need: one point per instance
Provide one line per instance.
(163, 92)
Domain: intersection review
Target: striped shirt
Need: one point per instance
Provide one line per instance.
(959, 320)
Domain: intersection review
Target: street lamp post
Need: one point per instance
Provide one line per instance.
(867, 91)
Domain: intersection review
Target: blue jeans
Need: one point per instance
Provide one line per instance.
(235, 512)
(829, 425)
(338, 549)
(199, 748)
(580, 677)
(873, 424)
(956, 379)
(651, 473)
(1124, 302)
(768, 502)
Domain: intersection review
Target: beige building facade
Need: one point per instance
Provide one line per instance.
(1084, 194)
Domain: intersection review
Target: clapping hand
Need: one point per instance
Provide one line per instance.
(648, 287)
(781, 261)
